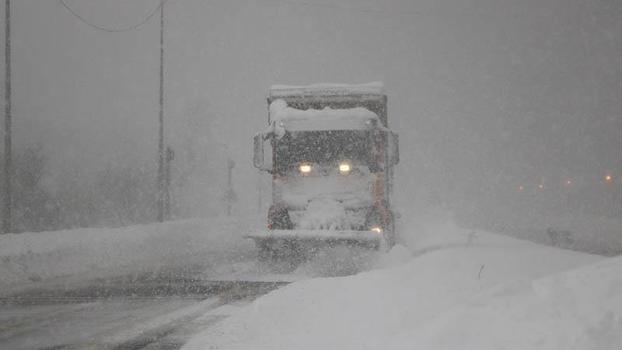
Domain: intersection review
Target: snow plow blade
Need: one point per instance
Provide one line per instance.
(317, 238)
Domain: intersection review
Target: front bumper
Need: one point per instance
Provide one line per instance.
(318, 237)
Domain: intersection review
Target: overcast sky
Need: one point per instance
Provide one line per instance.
(479, 89)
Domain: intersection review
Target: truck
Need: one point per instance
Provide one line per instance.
(331, 155)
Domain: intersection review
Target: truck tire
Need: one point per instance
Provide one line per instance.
(389, 233)
(264, 253)
(278, 257)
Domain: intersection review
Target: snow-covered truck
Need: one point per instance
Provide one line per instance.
(331, 156)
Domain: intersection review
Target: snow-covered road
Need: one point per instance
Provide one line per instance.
(150, 286)
(150, 315)
(110, 322)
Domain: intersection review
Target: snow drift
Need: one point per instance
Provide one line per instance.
(30, 260)
(458, 289)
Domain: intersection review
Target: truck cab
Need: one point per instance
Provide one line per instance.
(331, 155)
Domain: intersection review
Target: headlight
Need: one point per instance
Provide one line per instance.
(344, 168)
(376, 229)
(305, 168)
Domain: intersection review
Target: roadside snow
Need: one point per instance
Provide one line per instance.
(577, 309)
(452, 289)
(30, 260)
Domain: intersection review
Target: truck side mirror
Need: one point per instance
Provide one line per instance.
(258, 153)
(394, 148)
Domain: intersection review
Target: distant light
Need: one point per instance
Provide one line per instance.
(344, 168)
(376, 229)
(568, 183)
(540, 186)
(305, 168)
(608, 178)
(521, 188)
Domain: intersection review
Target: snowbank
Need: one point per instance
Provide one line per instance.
(578, 309)
(30, 260)
(459, 289)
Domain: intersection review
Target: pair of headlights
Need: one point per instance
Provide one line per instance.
(344, 168)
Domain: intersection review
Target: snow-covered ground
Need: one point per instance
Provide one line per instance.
(448, 289)
(31, 260)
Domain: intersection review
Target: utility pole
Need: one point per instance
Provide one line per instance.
(230, 195)
(170, 155)
(259, 192)
(162, 188)
(8, 166)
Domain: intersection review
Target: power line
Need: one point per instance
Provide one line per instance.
(114, 30)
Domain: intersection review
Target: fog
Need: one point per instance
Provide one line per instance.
(487, 95)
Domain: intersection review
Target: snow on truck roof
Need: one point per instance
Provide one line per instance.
(373, 88)
(288, 118)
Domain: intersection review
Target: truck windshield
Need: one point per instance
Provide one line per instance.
(322, 147)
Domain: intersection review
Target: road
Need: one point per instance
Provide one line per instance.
(158, 308)
(123, 313)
